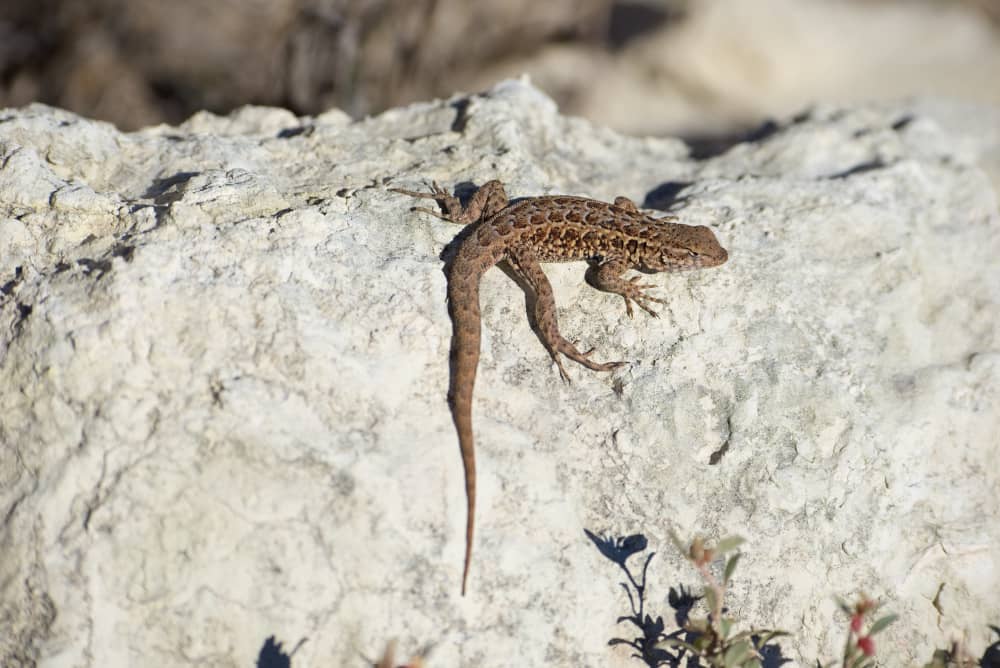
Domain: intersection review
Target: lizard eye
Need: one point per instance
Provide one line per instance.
(691, 253)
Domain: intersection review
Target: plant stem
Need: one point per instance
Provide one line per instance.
(720, 592)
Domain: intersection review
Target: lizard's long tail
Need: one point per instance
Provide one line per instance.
(463, 307)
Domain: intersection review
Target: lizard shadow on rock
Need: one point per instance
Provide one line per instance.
(162, 185)
(665, 195)
(163, 193)
(464, 192)
(653, 630)
(705, 147)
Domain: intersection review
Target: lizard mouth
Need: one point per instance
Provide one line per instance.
(714, 260)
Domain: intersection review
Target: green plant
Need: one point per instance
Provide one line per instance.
(715, 639)
(860, 645)
(957, 656)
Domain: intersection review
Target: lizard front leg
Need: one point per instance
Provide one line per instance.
(623, 202)
(525, 266)
(607, 277)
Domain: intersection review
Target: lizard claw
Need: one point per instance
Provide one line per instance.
(436, 192)
(562, 372)
(640, 301)
(584, 359)
(647, 309)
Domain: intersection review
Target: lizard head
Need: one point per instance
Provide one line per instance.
(689, 247)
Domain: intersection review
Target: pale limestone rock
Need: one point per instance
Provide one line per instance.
(223, 354)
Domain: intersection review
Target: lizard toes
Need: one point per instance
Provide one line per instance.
(562, 371)
(439, 192)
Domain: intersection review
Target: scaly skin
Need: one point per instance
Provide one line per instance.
(613, 237)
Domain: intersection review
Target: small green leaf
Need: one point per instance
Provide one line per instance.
(728, 544)
(844, 606)
(676, 643)
(731, 566)
(696, 625)
(737, 654)
(860, 661)
(882, 623)
(725, 625)
(710, 599)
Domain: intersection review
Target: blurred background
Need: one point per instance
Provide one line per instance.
(700, 69)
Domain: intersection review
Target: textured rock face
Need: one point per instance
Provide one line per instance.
(223, 359)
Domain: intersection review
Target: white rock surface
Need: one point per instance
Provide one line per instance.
(223, 359)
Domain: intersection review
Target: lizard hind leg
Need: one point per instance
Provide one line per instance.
(488, 199)
(527, 269)
(451, 204)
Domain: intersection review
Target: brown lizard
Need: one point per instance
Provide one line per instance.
(613, 237)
